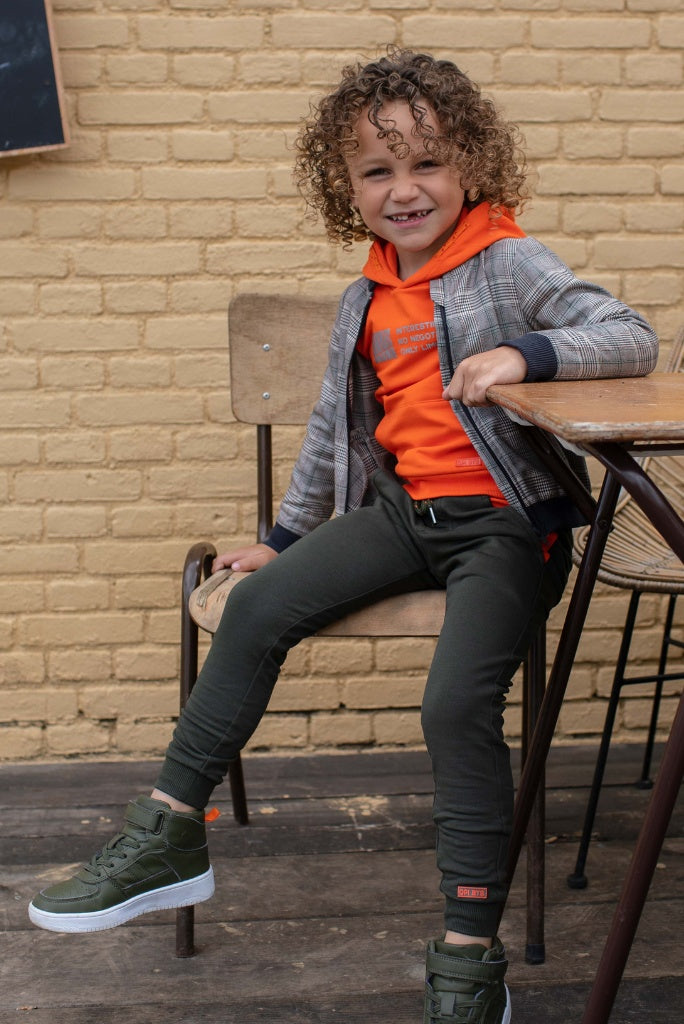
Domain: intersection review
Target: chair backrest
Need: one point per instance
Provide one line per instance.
(278, 353)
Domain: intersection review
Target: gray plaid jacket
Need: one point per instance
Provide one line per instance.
(515, 292)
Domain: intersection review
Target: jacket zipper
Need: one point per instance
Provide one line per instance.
(468, 415)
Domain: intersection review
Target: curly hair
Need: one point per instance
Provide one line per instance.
(471, 136)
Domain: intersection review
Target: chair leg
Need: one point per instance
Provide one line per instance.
(578, 878)
(645, 782)
(534, 678)
(197, 563)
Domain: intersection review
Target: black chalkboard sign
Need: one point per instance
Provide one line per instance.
(31, 102)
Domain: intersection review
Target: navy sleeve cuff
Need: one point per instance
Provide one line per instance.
(539, 355)
(280, 538)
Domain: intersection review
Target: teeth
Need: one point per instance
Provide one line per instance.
(409, 216)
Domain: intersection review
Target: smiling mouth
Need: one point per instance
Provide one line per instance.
(412, 217)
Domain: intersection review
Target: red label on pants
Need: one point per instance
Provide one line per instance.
(472, 892)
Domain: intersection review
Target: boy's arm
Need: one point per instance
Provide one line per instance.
(578, 330)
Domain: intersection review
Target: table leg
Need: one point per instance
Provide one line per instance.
(638, 879)
(560, 673)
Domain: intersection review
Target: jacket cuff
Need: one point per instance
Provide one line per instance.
(280, 538)
(539, 355)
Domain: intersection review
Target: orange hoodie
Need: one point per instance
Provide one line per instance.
(434, 456)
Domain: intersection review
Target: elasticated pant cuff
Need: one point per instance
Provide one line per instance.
(185, 784)
(471, 918)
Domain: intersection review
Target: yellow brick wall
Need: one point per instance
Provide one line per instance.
(118, 257)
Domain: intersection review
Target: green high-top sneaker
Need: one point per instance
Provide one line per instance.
(159, 860)
(465, 984)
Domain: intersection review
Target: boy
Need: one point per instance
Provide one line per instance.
(432, 486)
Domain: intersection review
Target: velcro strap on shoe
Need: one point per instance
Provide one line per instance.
(465, 970)
(148, 818)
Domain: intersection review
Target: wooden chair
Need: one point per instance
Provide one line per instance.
(278, 352)
(637, 558)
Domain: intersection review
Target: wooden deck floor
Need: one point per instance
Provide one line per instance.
(324, 903)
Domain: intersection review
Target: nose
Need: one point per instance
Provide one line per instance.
(404, 188)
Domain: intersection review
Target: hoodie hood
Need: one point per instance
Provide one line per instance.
(476, 230)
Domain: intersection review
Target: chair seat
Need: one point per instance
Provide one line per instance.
(414, 614)
(636, 556)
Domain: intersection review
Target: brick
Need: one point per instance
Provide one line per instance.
(146, 592)
(97, 628)
(69, 220)
(672, 180)
(280, 731)
(200, 33)
(77, 595)
(121, 259)
(117, 559)
(202, 145)
(79, 665)
(341, 729)
(655, 142)
(77, 485)
(19, 411)
(653, 69)
(77, 737)
(139, 108)
(45, 181)
(174, 333)
(18, 374)
(190, 372)
(80, 70)
(44, 558)
(69, 335)
(279, 69)
(594, 69)
(305, 695)
(671, 31)
(335, 655)
(141, 521)
(74, 448)
(201, 220)
(16, 449)
(533, 105)
(655, 217)
(20, 667)
(21, 743)
(16, 299)
(206, 69)
(20, 596)
(20, 523)
(136, 222)
(216, 183)
(76, 32)
(578, 33)
(559, 179)
(332, 30)
(138, 297)
(62, 371)
(129, 702)
(143, 738)
(397, 692)
(137, 147)
(137, 372)
(136, 446)
(75, 521)
(20, 260)
(139, 664)
(592, 217)
(591, 141)
(262, 257)
(529, 69)
(16, 222)
(646, 289)
(260, 106)
(397, 727)
(72, 299)
(639, 252)
(642, 105)
(137, 69)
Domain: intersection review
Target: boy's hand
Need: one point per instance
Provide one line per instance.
(246, 559)
(504, 365)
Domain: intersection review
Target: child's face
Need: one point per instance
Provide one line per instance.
(413, 202)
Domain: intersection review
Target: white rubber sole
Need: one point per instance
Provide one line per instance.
(181, 894)
(507, 1011)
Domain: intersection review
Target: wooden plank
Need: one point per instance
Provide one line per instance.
(622, 409)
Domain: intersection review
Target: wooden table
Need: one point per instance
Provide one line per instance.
(616, 421)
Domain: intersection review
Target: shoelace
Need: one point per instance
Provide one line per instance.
(116, 849)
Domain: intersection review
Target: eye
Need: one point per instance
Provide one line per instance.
(427, 164)
(375, 172)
